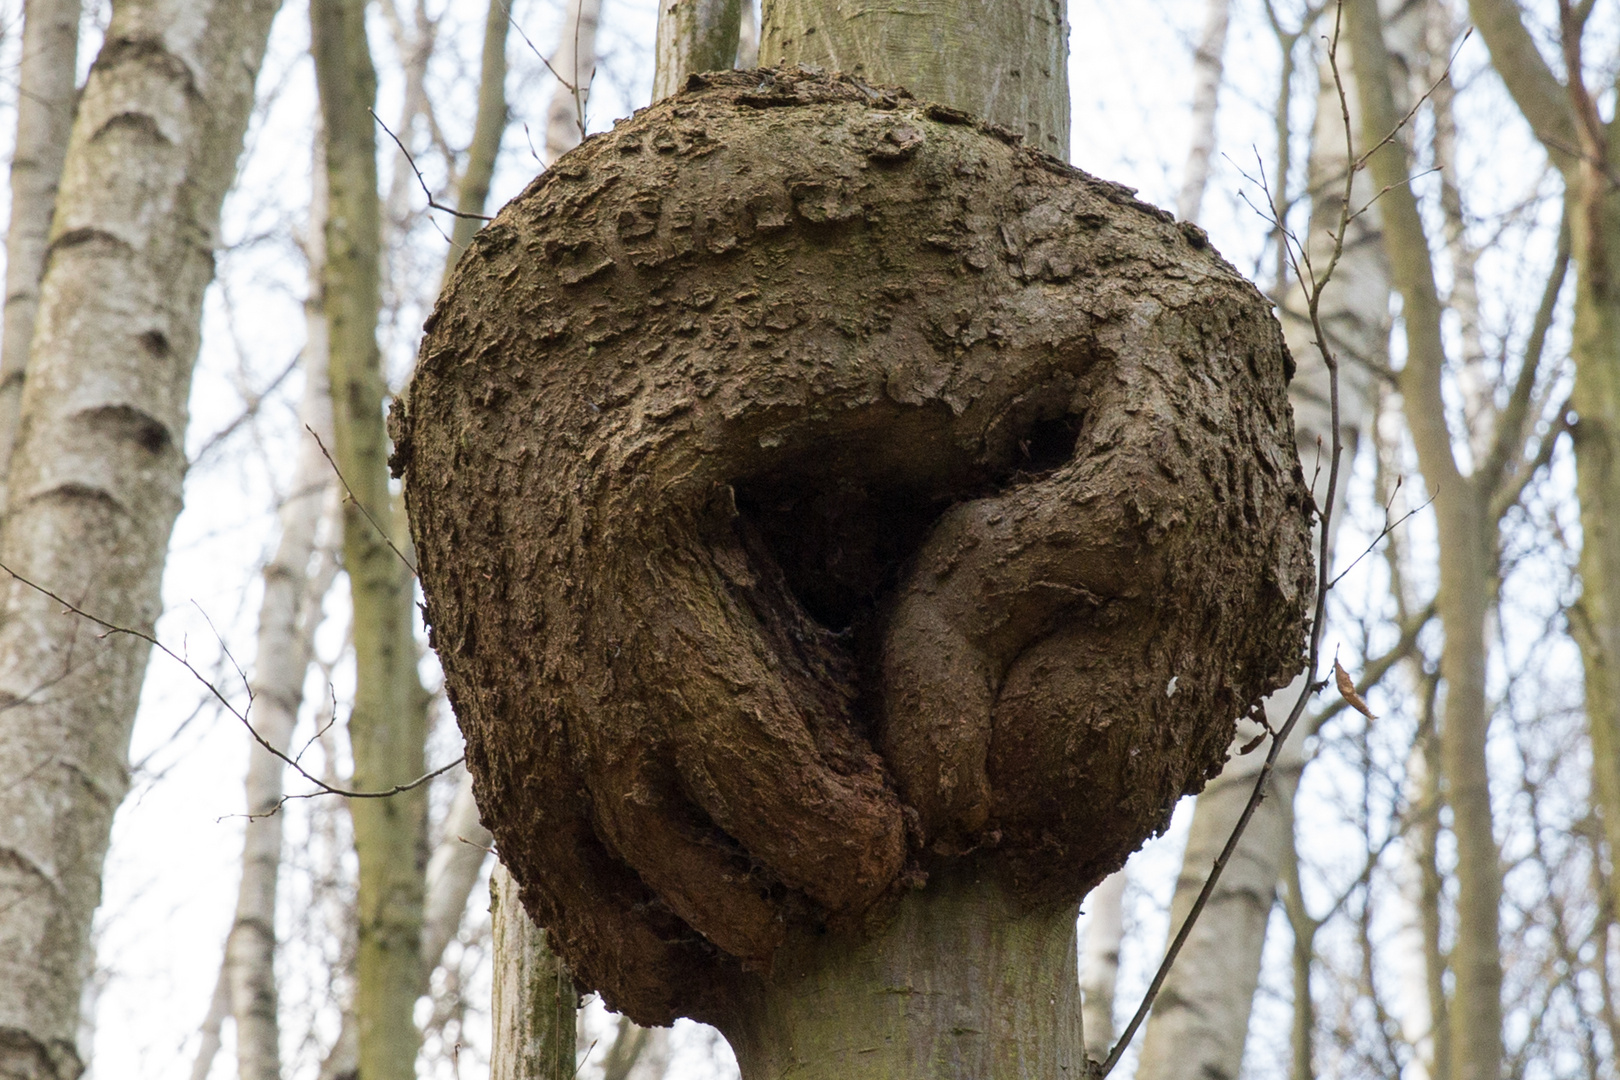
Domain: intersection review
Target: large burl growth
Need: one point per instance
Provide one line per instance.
(816, 493)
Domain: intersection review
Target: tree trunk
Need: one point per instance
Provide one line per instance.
(1099, 969)
(1467, 571)
(288, 615)
(693, 36)
(575, 62)
(532, 999)
(489, 126)
(50, 45)
(1566, 121)
(387, 726)
(96, 476)
(1208, 62)
(1003, 60)
(965, 981)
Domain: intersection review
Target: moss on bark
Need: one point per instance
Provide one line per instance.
(816, 491)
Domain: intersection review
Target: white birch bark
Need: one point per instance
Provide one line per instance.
(1099, 963)
(574, 62)
(50, 45)
(288, 615)
(1201, 1019)
(96, 475)
(1208, 64)
(452, 871)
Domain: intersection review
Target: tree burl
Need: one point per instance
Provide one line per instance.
(815, 491)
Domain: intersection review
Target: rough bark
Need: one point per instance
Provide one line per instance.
(693, 36)
(1004, 60)
(1099, 966)
(387, 725)
(1208, 63)
(532, 999)
(96, 475)
(45, 91)
(1566, 121)
(288, 615)
(1467, 571)
(575, 63)
(788, 538)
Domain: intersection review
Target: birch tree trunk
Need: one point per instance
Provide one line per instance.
(96, 475)
(1208, 63)
(532, 1002)
(1565, 119)
(1005, 61)
(50, 45)
(1200, 1021)
(387, 726)
(288, 615)
(1467, 571)
(576, 64)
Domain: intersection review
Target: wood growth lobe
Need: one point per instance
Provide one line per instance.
(812, 488)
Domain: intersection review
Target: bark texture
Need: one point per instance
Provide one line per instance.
(45, 74)
(1004, 60)
(812, 486)
(96, 475)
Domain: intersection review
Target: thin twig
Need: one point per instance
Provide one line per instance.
(433, 204)
(69, 607)
(1319, 620)
(382, 532)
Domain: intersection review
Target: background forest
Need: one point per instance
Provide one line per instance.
(1428, 890)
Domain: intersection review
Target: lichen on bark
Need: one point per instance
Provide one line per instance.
(816, 490)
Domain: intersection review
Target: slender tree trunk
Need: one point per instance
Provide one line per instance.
(1565, 119)
(451, 874)
(219, 1007)
(388, 724)
(748, 36)
(1002, 60)
(1208, 61)
(1467, 572)
(693, 36)
(488, 127)
(532, 1002)
(50, 45)
(575, 64)
(96, 475)
(288, 615)
(1099, 967)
